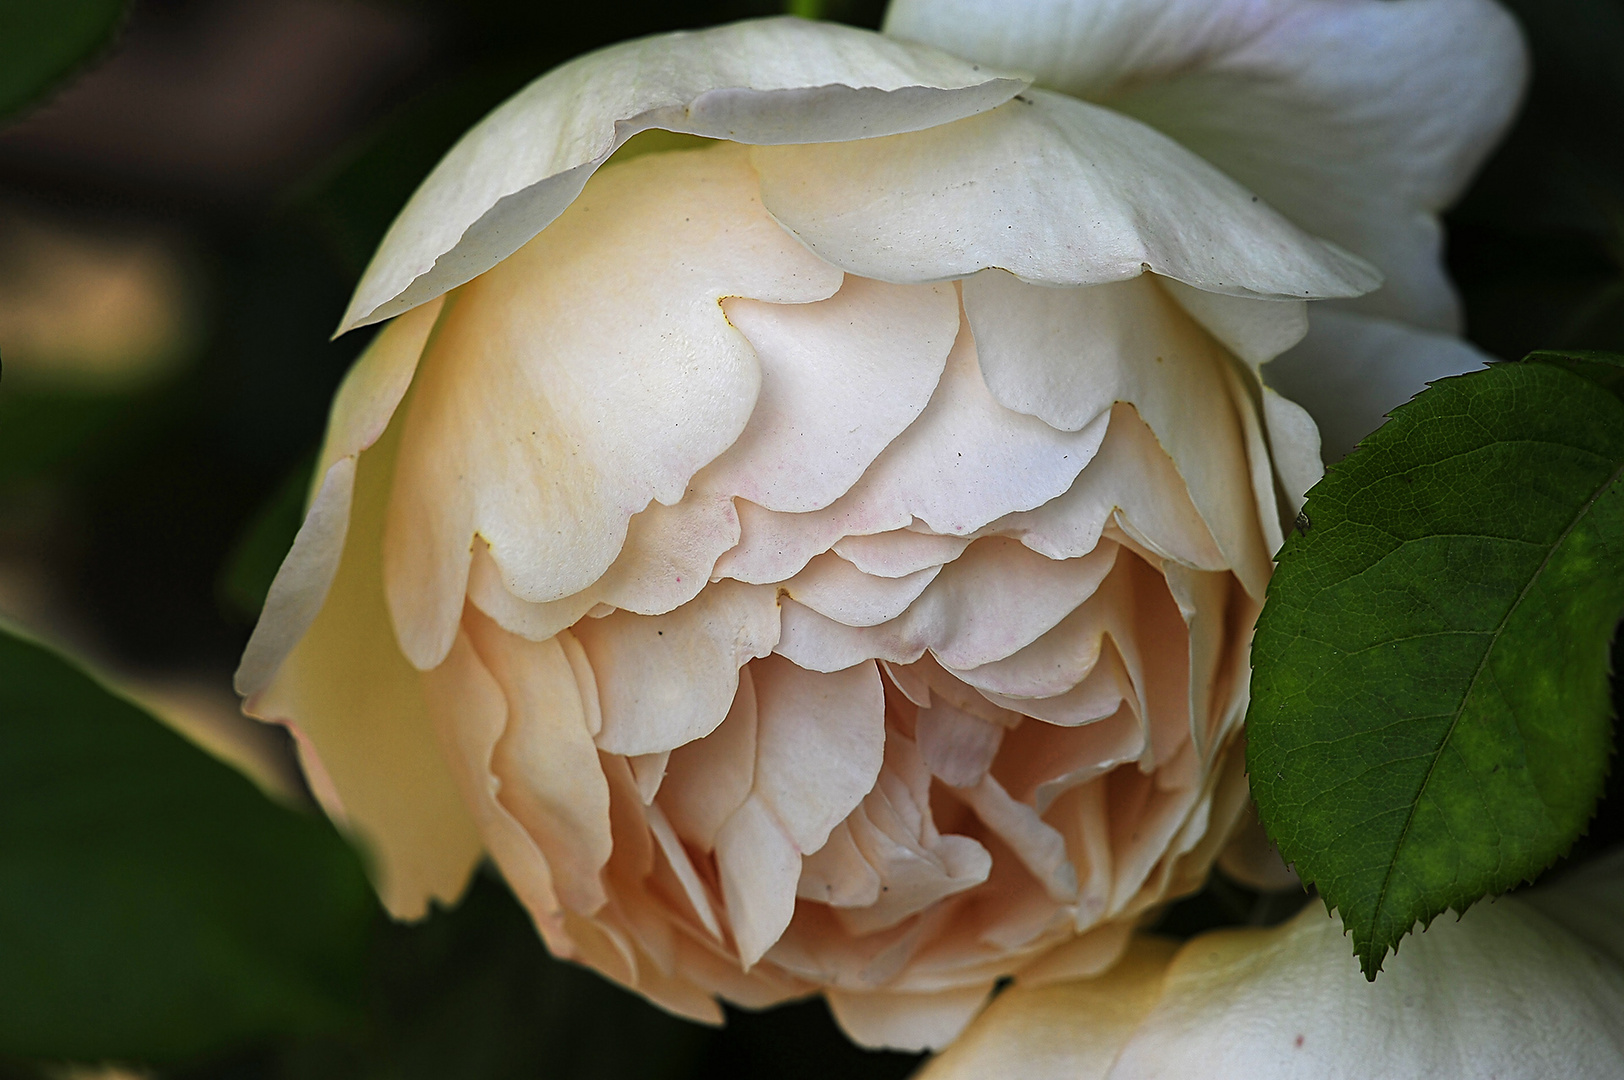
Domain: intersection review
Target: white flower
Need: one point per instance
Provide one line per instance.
(1527, 987)
(820, 559)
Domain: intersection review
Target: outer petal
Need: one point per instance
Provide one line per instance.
(1357, 119)
(1352, 370)
(591, 372)
(1503, 992)
(1054, 190)
(760, 81)
(352, 699)
(1066, 1031)
(361, 411)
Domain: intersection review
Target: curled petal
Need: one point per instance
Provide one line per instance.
(362, 409)
(758, 81)
(1054, 190)
(1357, 119)
(551, 407)
(357, 703)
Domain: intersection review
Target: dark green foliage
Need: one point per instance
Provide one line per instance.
(1430, 718)
(42, 42)
(153, 903)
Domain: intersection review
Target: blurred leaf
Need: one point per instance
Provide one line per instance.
(264, 543)
(154, 904)
(1430, 700)
(42, 42)
(40, 429)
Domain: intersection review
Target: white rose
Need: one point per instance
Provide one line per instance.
(819, 560)
(1529, 987)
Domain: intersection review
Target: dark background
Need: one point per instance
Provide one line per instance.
(238, 160)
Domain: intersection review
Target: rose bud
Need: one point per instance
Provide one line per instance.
(819, 558)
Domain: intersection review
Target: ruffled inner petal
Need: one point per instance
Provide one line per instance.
(590, 372)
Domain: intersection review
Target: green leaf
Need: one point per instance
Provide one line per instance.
(1430, 704)
(43, 42)
(153, 903)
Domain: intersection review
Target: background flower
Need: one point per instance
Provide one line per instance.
(1530, 985)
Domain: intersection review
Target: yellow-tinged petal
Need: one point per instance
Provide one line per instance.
(352, 696)
(759, 81)
(362, 409)
(1065, 1031)
(591, 372)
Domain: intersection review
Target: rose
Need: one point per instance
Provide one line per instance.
(1529, 986)
(802, 564)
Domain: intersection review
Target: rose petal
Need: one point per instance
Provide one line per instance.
(362, 409)
(1352, 370)
(911, 1022)
(590, 372)
(758, 865)
(1503, 991)
(362, 707)
(1038, 1033)
(709, 778)
(1357, 120)
(836, 589)
(1054, 190)
(840, 379)
(1131, 480)
(819, 744)
(1143, 350)
(900, 552)
(666, 680)
(545, 761)
(758, 81)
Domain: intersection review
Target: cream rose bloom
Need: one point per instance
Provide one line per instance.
(821, 559)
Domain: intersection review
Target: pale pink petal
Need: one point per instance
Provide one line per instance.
(906, 1021)
(1083, 957)
(957, 746)
(840, 379)
(1067, 354)
(991, 602)
(759, 866)
(545, 761)
(1043, 765)
(1131, 480)
(837, 873)
(665, 680)
(775, 547)
(676, 857)
(1054, 190)
(709, 778)
(1106, 686)
(820, 740)
(836, 589)
(591, 371)
(1037, 1033)
(900, 552)
(648, 771)
(914, 875)
(1255, 330)
(1040, 848)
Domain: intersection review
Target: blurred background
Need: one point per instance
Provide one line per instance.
(189, 190)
